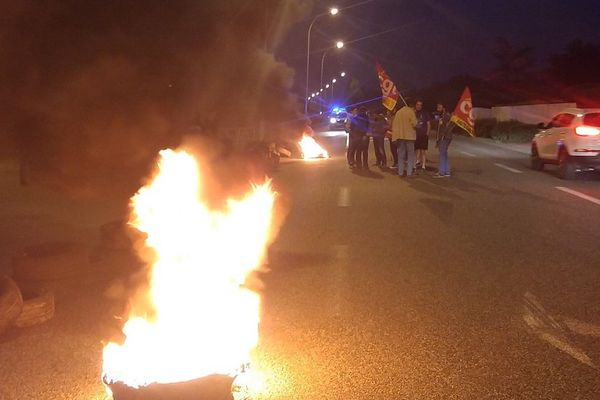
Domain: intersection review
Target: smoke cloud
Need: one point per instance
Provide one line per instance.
(94, 89)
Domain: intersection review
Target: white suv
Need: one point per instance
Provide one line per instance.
(571, 140)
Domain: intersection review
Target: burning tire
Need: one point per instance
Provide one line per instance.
(213, 387)
(50, 261)
(118, 235)
(11, 303)
(38, 307)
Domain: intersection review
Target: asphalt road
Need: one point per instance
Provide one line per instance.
(480, 286)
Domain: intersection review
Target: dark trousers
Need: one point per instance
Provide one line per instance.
(378, 144)
(394, 150)
(362, 155)
(354, 142)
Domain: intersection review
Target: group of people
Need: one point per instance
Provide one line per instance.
(408, 131)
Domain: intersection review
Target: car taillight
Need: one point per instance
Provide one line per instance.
(587, 131)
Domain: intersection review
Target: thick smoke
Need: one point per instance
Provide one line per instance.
(93, 89)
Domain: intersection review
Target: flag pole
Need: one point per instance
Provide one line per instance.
(404, 101)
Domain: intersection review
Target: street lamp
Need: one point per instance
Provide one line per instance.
(333, 80)
(338, 45)
(343, 74)
(327, 86)
(333, 11)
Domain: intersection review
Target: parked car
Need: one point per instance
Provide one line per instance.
(337, 120)
(570, 140)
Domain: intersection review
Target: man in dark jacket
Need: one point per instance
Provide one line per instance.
(352, 143)
(443, 140)
(379, 128)
(358, 146)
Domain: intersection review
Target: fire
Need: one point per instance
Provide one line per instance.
(311, 149)
(203, 320)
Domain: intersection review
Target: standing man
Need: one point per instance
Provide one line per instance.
(352, 143)
(443, 140)
(404, 134)
(423, 128)
(361, 129)
(379, 129)
(389, 118)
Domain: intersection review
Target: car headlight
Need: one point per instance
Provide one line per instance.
(332, 120)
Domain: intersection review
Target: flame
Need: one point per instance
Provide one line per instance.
(203, 319)
(311, 149)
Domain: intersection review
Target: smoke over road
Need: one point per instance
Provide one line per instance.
(93, 89)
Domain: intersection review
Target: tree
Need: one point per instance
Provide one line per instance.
(514, 64)
(580, 64)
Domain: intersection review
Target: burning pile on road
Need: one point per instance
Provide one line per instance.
(311, 149)
(198, 318)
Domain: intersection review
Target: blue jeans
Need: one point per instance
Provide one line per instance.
(406, 149)
(444, 164)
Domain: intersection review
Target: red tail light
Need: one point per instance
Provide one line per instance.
(587, 131)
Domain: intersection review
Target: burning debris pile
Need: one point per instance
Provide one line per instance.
(311, 149)
(197, 320)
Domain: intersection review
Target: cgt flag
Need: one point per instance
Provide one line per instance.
(388, 90)
(463, 113)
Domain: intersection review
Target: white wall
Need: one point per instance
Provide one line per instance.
(482, 113)
(529, 114)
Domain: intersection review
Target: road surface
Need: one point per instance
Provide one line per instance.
(481, 286)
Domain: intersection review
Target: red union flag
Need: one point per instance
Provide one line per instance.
(388, 89)
(463, 113)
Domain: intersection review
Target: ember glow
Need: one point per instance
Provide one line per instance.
(202, 320)
(311, 149)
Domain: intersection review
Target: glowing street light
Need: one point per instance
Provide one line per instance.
(343, 74)
(327, 86)
(333, 80)
(334, 10)
(339, 44)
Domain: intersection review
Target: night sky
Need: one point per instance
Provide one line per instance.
(434, 39)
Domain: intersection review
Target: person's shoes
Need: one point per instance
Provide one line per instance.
(447, 176)
(438, 175)
(395, 165)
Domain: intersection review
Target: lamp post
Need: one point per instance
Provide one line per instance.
(332, 11)
(338, 45)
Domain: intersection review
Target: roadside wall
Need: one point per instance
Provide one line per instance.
(482, 113)
(529, 114)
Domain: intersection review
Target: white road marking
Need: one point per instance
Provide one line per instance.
(466, 153)
(506, 167)
(580, 327)
(337, 278)
(549, 330)
(344, 197)
(579, 194)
